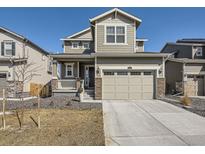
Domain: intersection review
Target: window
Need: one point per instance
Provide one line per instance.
(75, 45)
(110, 34)
(120, 36)
(135, 73)
(109, 73)
(8, 48)
(122, 73)
(115, 34)
(69, 70)
(198, 51)
(86, 45)
(147, 73)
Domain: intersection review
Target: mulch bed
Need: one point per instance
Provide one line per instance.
(57, 102)
(197, 106)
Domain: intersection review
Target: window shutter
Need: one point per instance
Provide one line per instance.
(2, 48)
(13, 48)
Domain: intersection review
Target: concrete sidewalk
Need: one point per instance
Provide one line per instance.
(151, 122)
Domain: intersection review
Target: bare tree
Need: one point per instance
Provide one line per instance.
(23, 73)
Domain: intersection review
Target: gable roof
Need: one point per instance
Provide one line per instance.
(115, 10)
(76, 34)
(24, 39)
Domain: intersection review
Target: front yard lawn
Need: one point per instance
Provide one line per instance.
(58, 127)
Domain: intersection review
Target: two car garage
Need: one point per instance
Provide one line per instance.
(125, 84)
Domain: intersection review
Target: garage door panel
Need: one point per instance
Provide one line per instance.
(108, 88)
(122, 89)
(147, 88)
(135, 88)
(135, 95)
(126, 85)
(109, 81)
(135, 81)
(108, 95)
(147, 95)
(121, 80)
(122, 95)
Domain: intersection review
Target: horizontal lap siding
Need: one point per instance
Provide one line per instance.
(101, 47)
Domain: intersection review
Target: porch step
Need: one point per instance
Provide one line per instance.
(88, 95)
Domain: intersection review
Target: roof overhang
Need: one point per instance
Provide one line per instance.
(115, 10)
(76, 34)
(82, 56)
(139, 54)
(187, 61)
(77, 39)
(141, 39)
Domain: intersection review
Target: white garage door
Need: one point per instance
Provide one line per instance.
(128, 85)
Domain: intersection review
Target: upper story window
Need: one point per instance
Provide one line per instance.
(115, 34)
(75, 45)
(8, 48)
(198, 51)
(86, 45)
(69, 70)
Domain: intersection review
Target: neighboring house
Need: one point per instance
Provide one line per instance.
(108, 61)
(15, 49)
(185, 69)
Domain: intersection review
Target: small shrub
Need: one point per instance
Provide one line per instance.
(186, 101)
(80, 90)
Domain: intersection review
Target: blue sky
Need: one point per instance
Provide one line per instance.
(45, 26)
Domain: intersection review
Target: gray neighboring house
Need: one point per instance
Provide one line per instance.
(15, 49)
(185, 69)
(108, 61)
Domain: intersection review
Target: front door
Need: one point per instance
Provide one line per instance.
(89, 76)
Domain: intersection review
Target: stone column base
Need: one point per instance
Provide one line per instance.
(98, 88)
(160, 87)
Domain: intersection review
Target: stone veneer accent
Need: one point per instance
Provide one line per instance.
(98, 88)
(54, 84)
(160, 87)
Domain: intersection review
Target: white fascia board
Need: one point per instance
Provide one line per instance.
(77, 39)
(142, 40)
(79, 32)
(15, 34)
(113, 10)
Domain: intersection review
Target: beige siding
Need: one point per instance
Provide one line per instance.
(33, 55)
(68, 47)
(194, 68)
(102, 47)
(139, 63)
(84, 35)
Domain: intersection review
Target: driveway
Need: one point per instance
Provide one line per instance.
(151, 122)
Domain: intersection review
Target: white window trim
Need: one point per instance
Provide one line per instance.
(85, 43)
(75, 43)
(7, 41)
(112, 25)
(66, 69)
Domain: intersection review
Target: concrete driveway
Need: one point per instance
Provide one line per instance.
(151, 122)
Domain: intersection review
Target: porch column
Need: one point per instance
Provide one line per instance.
(78, 70)
(54, 76)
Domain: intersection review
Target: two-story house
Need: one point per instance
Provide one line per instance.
(185, 69)
(108, 59)
(17, 53)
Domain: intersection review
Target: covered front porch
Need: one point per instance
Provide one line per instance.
(71, 74)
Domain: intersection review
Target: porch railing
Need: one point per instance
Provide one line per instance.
(67, 84)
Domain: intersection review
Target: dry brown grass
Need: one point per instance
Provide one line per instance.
(58, 127)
